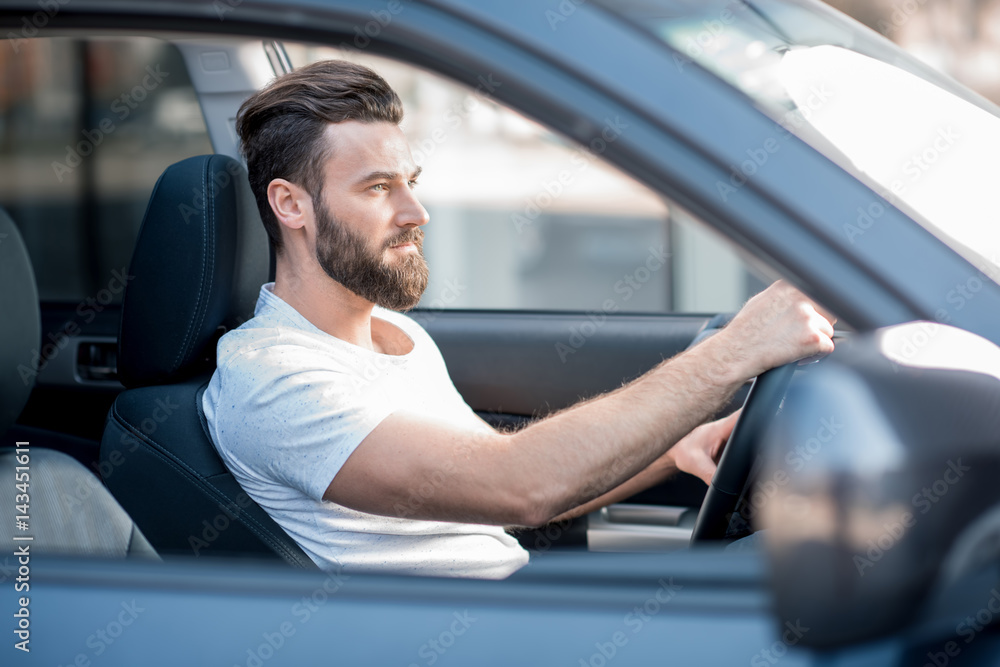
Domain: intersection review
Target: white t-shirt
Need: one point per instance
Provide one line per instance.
(287, 406)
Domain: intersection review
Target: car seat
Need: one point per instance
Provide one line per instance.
(68, 510)
(199, 261)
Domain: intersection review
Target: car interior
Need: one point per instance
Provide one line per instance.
(116, 375)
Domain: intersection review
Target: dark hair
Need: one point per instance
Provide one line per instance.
(281, 126)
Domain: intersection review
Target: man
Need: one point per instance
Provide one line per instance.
(337, 414)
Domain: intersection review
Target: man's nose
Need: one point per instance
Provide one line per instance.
(412, 212)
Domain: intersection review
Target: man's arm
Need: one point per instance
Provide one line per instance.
(696, 453)
(423, 469)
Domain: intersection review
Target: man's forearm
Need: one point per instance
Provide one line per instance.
(583, 453)
(656, 473)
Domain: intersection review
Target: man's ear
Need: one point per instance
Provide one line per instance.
(291, 204)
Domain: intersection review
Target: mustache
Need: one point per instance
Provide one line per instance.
(414, 236)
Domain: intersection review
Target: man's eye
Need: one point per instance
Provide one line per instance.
(380, 187)
(414, 183)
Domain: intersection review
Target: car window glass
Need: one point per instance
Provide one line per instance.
(86, 128)
(523, 219)
(920, 140)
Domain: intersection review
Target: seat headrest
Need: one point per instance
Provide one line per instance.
(200, 259)
(21, 332)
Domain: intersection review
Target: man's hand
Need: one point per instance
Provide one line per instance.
(778, 326)
(698, 452)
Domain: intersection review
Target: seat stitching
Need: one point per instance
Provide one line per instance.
(210, 241)
(182, 350)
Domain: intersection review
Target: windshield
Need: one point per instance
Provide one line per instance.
(920, 140)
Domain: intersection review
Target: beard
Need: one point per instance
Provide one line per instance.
(350, 259)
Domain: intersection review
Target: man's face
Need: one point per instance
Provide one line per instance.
(368, 266)
(368, 235)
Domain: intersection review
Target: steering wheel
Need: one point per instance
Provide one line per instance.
(738, 457)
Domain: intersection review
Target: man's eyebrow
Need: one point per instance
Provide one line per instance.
(389, 175)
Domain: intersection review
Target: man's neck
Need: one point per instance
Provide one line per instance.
(328, 305)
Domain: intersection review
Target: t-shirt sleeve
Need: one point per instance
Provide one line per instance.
(279, 416)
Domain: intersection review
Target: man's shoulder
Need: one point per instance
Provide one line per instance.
(254, 336)
(263, 345)
(262, 361)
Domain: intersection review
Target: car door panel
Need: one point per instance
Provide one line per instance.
(530, 364)
(73, 369)
(513, 367)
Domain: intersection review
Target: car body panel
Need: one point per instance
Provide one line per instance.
(542, 615)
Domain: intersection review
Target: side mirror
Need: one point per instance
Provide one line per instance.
(888, 454)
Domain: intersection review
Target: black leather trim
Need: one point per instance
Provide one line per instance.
(21, 335)
(159, 462)
(195, 269)
(541, 362)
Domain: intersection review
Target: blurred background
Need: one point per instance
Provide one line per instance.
(522, 219)
(958, 37)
